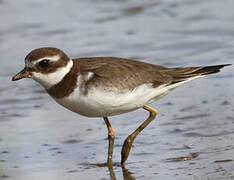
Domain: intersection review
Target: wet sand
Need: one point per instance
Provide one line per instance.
(41, 140)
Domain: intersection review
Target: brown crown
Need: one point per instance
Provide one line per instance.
(40, 53)
(45, 51)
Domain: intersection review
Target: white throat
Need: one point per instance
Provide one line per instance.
(49, 80)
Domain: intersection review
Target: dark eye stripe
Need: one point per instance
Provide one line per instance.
(30, 69)
(44, 63)
(42, 67)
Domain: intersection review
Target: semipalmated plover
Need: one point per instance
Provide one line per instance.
(106, 86)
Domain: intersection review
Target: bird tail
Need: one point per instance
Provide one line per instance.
(185, 73)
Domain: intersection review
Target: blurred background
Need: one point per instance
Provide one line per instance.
(41, 140)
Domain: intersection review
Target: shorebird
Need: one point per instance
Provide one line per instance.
(106, 86)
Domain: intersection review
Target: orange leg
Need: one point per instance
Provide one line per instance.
(111, 138)
(129, 140)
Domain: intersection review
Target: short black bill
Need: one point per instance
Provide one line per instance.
(22, 74)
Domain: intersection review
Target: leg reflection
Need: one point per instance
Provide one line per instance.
(112, 173)
(127, 175)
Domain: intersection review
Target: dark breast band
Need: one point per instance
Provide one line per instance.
(67, 85)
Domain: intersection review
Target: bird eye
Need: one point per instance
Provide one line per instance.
(44, 63)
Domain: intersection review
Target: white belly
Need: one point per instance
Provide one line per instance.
(100, 103)
(103, 103)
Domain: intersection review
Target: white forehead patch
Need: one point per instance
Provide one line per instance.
(28, 63)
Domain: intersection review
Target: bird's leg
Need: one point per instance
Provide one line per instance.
(129, 140)
(111, 138)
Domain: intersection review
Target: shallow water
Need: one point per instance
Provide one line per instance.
(41, 140)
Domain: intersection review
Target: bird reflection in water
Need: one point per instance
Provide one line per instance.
(127, 175)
